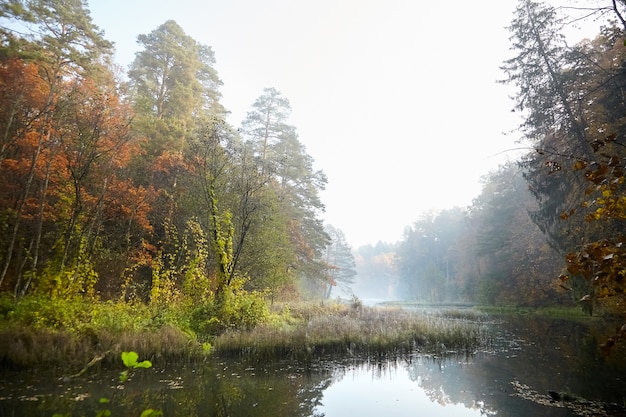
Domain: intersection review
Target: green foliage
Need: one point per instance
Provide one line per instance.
(72, 314)
(189, 83)
(489, 289)
(103, 413)
(196, 284)
(130, 360)
(77, 314)
(63, 277)
(238, 309)
(7, 305)
(163, 290)
(283, 159)
(60, 32)
(119, 317)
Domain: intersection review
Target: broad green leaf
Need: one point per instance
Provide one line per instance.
(130, 359)
(144, 364)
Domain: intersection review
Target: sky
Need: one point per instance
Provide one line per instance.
(397, 101)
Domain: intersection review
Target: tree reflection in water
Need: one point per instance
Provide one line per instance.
(529, 357)
(544, 355)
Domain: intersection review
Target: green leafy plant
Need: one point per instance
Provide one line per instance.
(130, 360)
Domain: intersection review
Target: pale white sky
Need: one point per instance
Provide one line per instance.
(396, 100)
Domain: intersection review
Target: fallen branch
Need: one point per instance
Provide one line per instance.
(91, 363)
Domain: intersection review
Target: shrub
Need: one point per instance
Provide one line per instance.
(238, 309)
(43, 312)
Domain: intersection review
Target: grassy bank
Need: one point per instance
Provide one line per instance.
(68, 334)
(338, 329)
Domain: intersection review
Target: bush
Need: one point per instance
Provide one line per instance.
(119, 316)
(53, 313)
(237, 310)
(7, 305)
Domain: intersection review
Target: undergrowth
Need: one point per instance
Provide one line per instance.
(39, 331)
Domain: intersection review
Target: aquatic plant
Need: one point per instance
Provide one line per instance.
(131, 361)
(340, 329)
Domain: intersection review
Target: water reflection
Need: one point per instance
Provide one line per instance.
(535, 366)
(399, 390)
(527, 360)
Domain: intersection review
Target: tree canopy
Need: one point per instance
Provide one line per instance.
(145, 193)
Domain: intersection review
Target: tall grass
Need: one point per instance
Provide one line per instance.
(70, 333)
(26, 347)
(338, 329)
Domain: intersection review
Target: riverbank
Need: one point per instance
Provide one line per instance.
(72, 335)
(357, 330)
(528, 359)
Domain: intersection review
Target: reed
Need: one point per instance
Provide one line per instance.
(340, 329)
(27, 347)
(31, 338)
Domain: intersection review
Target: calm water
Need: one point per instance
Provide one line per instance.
(528, 358)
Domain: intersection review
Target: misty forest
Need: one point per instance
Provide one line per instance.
(132, 212)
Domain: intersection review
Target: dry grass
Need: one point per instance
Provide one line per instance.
(295, 331)
(338, 329)
(24, 347)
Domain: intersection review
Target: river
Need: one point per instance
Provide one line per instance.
(528, 358)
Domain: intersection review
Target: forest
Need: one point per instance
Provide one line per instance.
(547, 230)
(132, 191)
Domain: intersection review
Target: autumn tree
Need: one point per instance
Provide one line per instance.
(175, 94)
(61, 39)
(579, 150)
(96, 145)
(600, 259)
(24, 103)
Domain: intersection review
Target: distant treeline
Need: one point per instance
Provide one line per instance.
(548, 228)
